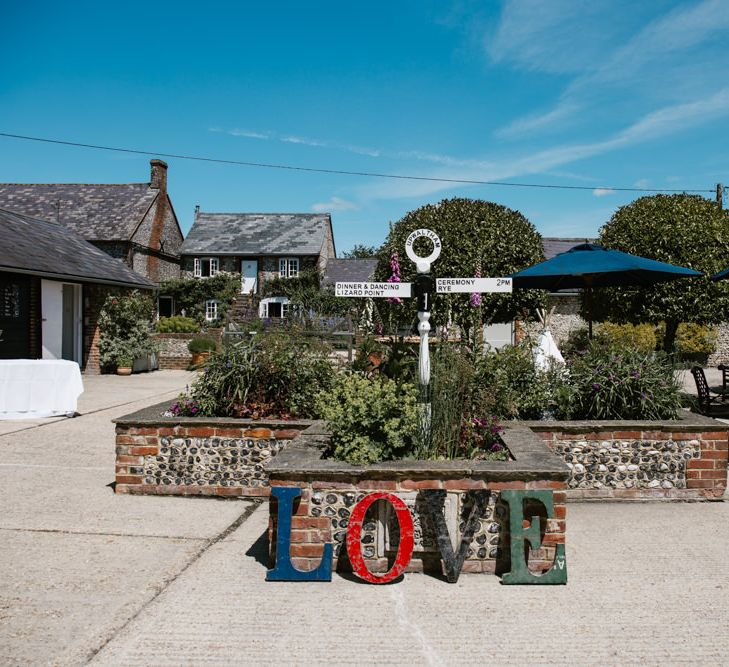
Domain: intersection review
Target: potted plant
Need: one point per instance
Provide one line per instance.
(124, 365)
(200, 347)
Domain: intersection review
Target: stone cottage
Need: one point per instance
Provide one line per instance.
(53, 284)
(133, 222)
(259, 246)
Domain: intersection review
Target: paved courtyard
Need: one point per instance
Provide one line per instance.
(91, 577)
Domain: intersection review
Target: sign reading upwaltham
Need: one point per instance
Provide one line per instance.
(454, 285)
(374, 290)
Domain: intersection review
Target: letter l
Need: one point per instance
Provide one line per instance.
(284, 569)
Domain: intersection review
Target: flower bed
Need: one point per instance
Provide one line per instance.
(197, 456)
(330, 489)
(683, 459)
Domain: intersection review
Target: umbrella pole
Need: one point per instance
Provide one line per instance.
(588, 308)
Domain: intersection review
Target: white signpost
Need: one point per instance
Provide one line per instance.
(424, 287)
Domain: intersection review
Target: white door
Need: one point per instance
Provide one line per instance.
(249, 276)
(52, 314)
(61, 320)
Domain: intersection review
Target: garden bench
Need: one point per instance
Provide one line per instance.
(710, 402)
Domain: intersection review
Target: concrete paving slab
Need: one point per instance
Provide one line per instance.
(62, 595)
(648, 584)
(77, 560)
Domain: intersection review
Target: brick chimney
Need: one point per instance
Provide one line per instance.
(158, 181)
(158, 178)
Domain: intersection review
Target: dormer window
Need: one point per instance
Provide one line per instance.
(288, 267)
(205, 267)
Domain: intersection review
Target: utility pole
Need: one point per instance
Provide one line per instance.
(719, 194)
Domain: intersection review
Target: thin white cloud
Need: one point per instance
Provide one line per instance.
(603, 192)
(303, 141)
(657, 60)
(235, 132)
(664, 122)
(642, 183)
(334, 204)
(528, 124)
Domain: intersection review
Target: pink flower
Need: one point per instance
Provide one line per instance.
(395, 277)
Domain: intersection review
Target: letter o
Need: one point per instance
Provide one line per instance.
(354, 535)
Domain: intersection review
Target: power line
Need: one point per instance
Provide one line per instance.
(266, 165)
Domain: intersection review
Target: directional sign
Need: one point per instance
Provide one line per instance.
(454, 285)
(373, 290)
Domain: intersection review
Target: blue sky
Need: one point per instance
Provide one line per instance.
(591, 93)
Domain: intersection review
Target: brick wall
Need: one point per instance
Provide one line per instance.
(676, 460)
(195, 456)
(330, 489)
(173, 354)
(93, 300)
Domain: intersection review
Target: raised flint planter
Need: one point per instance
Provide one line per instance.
(197, 456)
(683, 459)
(331, 488)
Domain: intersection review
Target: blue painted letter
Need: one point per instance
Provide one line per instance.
(284, 569)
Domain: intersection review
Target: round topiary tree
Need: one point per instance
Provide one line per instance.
(478, 238)
(687, 230)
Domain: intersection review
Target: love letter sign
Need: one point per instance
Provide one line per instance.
(520, 536)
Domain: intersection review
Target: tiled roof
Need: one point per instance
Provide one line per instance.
(349, 270)
(49, 249)
(257, 234)
(555, 245)
(96, 212)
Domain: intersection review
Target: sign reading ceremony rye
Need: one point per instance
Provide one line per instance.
(453, 285)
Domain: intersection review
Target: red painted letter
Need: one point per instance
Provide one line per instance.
(354, 533)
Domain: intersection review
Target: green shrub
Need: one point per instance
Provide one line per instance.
(636, 336)
(124, 323)
(510, 386)
(371, 419)
(177, 324)
(270, 375)
(201, 344)
(695, 339)
(626, 384)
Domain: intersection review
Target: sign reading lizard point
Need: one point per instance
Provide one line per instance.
(373, 290)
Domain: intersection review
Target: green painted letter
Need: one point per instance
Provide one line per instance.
(519, 573)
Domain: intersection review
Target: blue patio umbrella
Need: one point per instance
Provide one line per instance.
(588, 265)
(722, 275)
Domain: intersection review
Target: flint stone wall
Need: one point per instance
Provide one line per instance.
(330, 489)
(197, 456)
(684, 459)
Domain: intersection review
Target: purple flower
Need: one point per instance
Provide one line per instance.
(395, 277)
(596, 385)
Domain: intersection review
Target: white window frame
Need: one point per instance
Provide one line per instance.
(211, 310)
(213, 267)
(263, 306)
(288, 267)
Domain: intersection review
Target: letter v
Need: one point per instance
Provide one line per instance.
(453, 562)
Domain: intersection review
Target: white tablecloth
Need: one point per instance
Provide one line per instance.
(32, 388)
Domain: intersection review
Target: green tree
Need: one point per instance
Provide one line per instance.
(686, 230)
(360, 251)
(475, 235)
